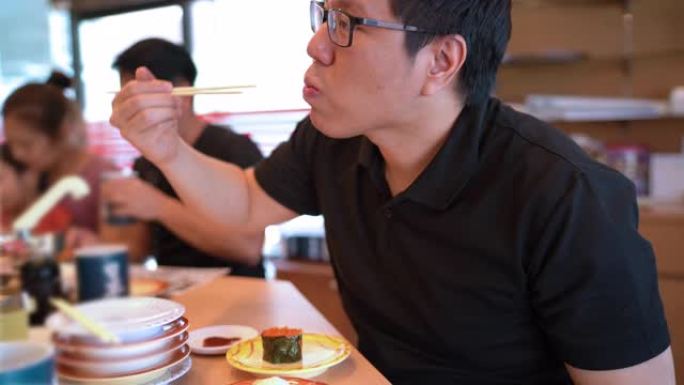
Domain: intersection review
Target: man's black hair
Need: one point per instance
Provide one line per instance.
(166, 60)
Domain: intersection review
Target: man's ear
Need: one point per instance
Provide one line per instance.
(446, 57)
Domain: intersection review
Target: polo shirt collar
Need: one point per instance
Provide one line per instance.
(453, 165)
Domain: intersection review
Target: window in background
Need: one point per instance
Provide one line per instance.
(261, 42)
(34, 43)
(255, 42)
(101, 39)
(25, 44)
(234, 42)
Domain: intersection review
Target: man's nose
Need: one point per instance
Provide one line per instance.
(320, 48)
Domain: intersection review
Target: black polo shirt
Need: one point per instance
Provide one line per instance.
(511, 253)
(217, 142)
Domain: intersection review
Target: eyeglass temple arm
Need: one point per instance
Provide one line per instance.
(386, 24)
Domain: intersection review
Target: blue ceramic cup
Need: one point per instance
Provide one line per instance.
(27, 363)
(102, 271)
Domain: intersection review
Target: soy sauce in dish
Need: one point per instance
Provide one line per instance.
(213, 342)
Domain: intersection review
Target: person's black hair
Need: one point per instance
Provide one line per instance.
(484, 24)
(42, 105)
(59, 80)
(164, 59)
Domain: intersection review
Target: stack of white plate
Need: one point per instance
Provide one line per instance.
(153, 348)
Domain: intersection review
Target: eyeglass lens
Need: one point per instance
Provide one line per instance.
(339, 24)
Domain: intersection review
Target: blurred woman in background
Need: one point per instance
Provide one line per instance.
(45, 132)
(18, 189)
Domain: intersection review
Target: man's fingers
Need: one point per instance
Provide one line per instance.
(134, 97)
(133, 89)
(143, 120)
(145, 83)
(147, 114)
(137, 87)
(125, 109)
(150, 117)
(142, 73)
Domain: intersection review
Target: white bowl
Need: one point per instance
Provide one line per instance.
(117, 368)
(122, 352)
(168, 371)
(97, 350)
(132, 319)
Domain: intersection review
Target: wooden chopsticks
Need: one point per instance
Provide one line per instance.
(190, 91)
(92, 326)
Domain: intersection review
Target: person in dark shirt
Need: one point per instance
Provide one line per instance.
(179, 237)
(472, 244)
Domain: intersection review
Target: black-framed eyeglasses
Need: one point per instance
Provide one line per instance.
(341, 24)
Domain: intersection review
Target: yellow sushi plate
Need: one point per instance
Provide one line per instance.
(319, 352)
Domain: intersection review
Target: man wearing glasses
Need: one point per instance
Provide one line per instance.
(472, 244)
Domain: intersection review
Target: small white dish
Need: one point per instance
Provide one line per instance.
(162, 375)
(124, 351)
(131, 319)
(121, 368)
(115, 368)
(198, 336)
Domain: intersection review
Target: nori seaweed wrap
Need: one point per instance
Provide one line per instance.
(282, 345)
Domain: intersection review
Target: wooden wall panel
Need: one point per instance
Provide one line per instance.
(590, 78)
(597, 31)
(655, 76)
(658, 26)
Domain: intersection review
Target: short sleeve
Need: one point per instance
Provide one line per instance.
(287, 175)
(243, 152)
(224, 144)
(593, 281)
(151, 174)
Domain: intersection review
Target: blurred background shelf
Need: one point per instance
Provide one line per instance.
(654, 76)
(596, 48)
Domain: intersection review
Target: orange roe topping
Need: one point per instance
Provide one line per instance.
(281, 332)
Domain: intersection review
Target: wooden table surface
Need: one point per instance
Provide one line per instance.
(261, 304)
